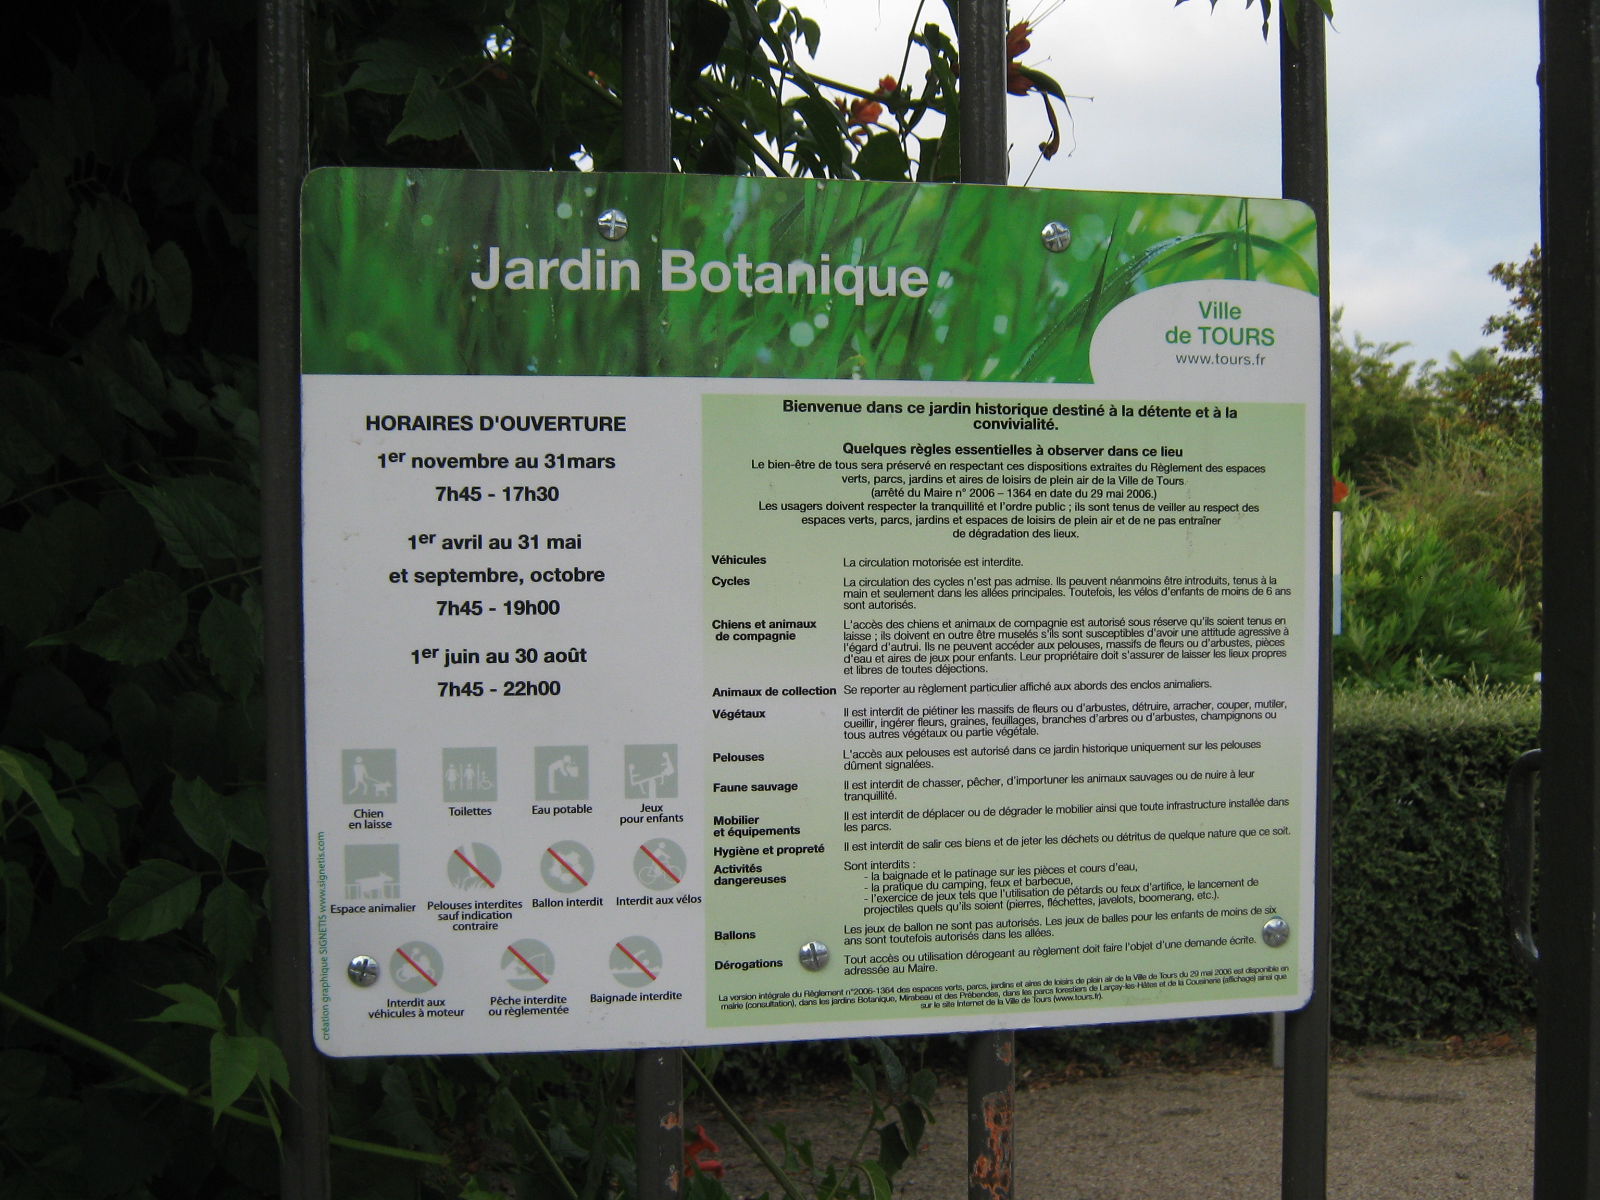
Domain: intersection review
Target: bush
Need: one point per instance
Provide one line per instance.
(1418, 781)
(1416, 612)
(1482, 493)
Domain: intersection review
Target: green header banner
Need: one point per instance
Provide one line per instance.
(419, 272)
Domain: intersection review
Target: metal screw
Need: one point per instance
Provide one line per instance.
(1275, 932)
(814, 956)
(1056, 237)
(363, 970)
(613, 224)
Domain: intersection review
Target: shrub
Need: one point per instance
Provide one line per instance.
(1416, 612)
(1418, 779)
(1482, 493)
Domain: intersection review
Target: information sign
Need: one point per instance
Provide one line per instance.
(748, 610)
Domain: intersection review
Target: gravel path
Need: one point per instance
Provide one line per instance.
(1402, 1127)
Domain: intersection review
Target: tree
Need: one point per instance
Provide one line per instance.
(1500, 389)
(1381, 409)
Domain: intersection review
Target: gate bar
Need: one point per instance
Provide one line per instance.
(647, 146)
(281, 124)
(1567, 1087)
(1303, 113)
(991, 1057)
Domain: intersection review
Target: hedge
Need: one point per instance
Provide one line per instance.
(1418, 788)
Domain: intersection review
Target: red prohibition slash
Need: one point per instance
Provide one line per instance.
(432, 982)
(635, 962)
(660, 864)
(528, 964)
(551, 851)
(473, 867)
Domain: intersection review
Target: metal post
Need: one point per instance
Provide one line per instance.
(646, 113)
(982, 36)
(991, 1067)
(1567, 1090)
(647, 146)
(1303, 101)
(281, 165)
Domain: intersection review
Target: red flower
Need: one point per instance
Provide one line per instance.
(694, 1163)
(1341, 490)
(861, 111)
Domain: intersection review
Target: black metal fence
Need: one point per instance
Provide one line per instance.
(1568, 1088)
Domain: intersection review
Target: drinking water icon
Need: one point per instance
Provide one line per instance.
(636, 962)
(372, 872)
(468, 774)
(561, 772)
(529, 964)
(652, 771)
(660, 864)
(367, 776)
(416, 967)
(473, 867)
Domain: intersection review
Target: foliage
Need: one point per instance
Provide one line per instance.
(1417, 613)
(537, 86)
(1418, 939)
(1381, 407)
(1482, 493)
(1501, 390)
(1291, 14)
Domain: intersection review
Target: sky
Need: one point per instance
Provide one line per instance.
(1433, 131)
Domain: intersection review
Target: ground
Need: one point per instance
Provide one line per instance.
(1445, 1120)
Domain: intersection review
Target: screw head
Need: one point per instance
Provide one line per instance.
(613, 224)
(1275, 932)
(1056, 237)
(363, 970)
(814, 956)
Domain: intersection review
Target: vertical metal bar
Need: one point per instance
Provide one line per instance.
(1303, 100)
(658, 1122)
(1567, 1088)
(281, 165)
(991, 1116)
(981, 26)
(991, 1065)
(646, 112)
(647, 146)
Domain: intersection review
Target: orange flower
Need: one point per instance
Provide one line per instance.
(862, 111)
(1341, 490)
(693, 1160)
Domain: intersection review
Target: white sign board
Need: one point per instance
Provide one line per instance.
(846, 685)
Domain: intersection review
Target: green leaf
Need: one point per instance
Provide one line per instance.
(430, 114)
(245, 814)
(94, 824)
(174, 287)
(882, 1189)
(274, 1068)
(18, 889)
(200, 517)
(199, 810)
(389, 66)
(234, 1062)
(41, 211)
(883, 157)
(138, 621)
(228, 926)
(155, 897)
(190, 1006)
(30, 775)
(68, 758)
(110, 241)
(231, 643)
